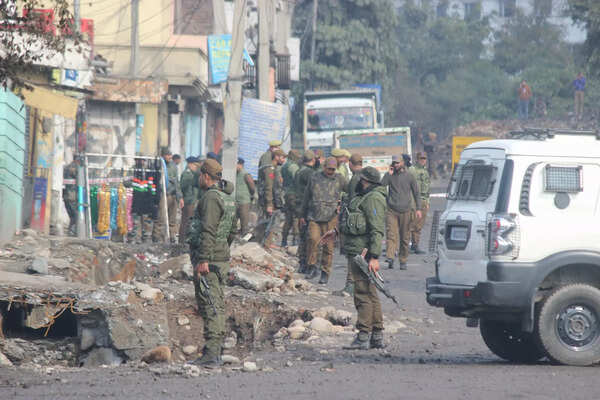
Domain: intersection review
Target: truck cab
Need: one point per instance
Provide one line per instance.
(519, 246)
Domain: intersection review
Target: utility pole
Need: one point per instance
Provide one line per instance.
(313, 41)
(77, 16)
(135, 38)
(232, 96)
(263, 50)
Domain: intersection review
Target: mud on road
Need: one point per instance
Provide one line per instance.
(431, 357)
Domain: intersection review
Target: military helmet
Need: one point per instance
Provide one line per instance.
(370, 174)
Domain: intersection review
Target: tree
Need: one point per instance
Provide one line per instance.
(27, 37)
(587, 12)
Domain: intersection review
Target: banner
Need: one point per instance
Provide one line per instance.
(219, 54)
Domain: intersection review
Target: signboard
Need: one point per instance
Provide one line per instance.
(381, 164)
(219, 53)
(375, 142)
(260, 122)
(460, 142)
(72, 77)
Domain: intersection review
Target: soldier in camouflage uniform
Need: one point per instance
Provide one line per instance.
(267, 157)
(424, 182)
(70, 194)
(189, 189)
(244, 194)
(340, 156)
(271, 197)
(301, 182)
(210, 236)
(319, 160)
(288, 173)
(319, 210)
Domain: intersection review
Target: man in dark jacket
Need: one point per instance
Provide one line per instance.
(301, 181)
(189, 190)
(244, 194)
(402, 188)
(210, 235)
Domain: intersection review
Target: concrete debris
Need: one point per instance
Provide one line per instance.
(183, 320)
(296, 332)
(253, 253)
(88, 339)
(250, 366)
(253, 280)
(230, 341)
(101, 356)
(321, 325)
(292, 250)
(297, 322)
(189, 349)
(337, 317)
(39, 265)
(394, 327)
(147, 292)
(4, 361)
(229, 359)
(157, 355)
(191, 370)
(177, 267)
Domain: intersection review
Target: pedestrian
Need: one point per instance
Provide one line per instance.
(363, 230)
(288, 173)
(402, 189)
(70, 194)
(356, 164)
(424, 182)
(174, 195)
(579, 86)
(244, 193)
(270, 197)
(319, 210)
(267, 156)
(211, 234)
(524, 96)
(301, 181)
(189, 190)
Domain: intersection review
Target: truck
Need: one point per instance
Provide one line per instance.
(518, 246)
(328, 112)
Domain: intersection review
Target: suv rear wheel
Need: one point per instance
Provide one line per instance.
(568, 325)
(507, 341)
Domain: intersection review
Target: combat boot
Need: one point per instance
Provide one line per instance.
(302, 269)
(403, 266)
(324, 278)
(377, 340)
(390, 263)
(284, 243)
(349, 288)
(313, 271)
(360, 342)
(208, 360)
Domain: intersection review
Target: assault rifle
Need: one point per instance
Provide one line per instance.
(205, 289)
(374, 277)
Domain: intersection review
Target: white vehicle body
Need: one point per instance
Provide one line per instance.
(521, 224)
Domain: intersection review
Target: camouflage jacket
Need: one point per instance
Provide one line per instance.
(173, 188)
(423, 181)
(270, 187)
(211, 230)
(288, 173)
(189, 186)
(322, 196)
(373, 207)
(301, 182)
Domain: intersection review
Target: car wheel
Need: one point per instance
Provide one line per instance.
(508, 341)
(568, 325)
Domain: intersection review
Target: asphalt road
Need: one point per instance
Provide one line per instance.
(437, 358)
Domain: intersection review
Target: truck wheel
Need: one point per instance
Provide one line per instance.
(568, 325)
(507, 341)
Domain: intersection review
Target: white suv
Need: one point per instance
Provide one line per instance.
(519, 246)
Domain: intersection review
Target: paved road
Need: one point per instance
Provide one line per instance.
(437, 358)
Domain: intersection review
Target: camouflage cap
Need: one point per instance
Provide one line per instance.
(370, 174)
(356, 159)
(337, 152)
(294, 155)
(421, 154)
(275, 143)
(279, 152)
(308, 156)
(212, 168)
(331, 162)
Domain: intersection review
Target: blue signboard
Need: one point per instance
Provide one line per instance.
(219, 53)
(260, 122)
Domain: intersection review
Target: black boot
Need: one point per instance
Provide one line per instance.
(324, 278)
(403, 266)
(390, 263)
(208, 360)
(302, 269)
(284, 242)
(313, 271)
(377, 340)
(360, 342)
(349, 288)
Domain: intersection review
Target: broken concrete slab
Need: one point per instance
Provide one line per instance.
(253, 280)
(101, 356)
(39, 265)
(4, 361)
(177, 267)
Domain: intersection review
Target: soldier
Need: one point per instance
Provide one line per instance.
(356, 162)
(70, 193)
(340, 156)
(288, 173)
(174, 195)
(270, 195)
(244, 193)
(210, 235)
(319, 210)
(144, 203)
(267, 156)
(402, 188)
(422, 176)
(301, 182)
(189, 190)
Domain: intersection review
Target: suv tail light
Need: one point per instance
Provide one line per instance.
(503, 235)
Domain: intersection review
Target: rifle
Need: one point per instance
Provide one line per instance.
(205, 289)
(270, 224)
(374, 277)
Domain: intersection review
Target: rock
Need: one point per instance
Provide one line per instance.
(341, 317)
(229, 359)
(102, 356)
(297, 322)
(250, 366)
(321, 325)
(288, 363)
(38, 266)
(59, 263)
(252, 252)
(183, 320)
(157, 354)
(149, 293)
(191, 370)
(189, 349)
(292, 250)
(4, 361)
(13, 351)
(179, 267)
(280, 333)
(394, 327)
(88, 339)
(230, 341)
(323, 312)
(253, 280)
(296, 332)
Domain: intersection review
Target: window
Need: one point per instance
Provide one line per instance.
(563, 179)
(329, 119)
(472, 11)
(507, 8)
(542, 8)
(472, 181)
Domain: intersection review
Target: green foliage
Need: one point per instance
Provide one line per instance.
(587, 12)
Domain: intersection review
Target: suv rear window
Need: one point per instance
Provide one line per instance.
(473, 180)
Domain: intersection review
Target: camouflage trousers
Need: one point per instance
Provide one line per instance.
(214, 318)
(366, 300)
(303, 235)
(291, 222)
(142, 228)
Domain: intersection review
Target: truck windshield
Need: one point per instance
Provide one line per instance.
(473, 180)
(329, 119)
